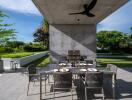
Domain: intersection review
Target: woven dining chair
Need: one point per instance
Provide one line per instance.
(93, 80)
(112, 67)
(32, 75)
(63, 82)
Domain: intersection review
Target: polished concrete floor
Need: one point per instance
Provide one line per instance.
(13, 86)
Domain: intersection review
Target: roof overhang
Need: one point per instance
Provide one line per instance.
(57, 11)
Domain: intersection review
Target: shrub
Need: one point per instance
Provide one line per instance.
(2, 49)
(9, 49)
(103, 51)
(31, 48)
(6, 50)
(15, 44)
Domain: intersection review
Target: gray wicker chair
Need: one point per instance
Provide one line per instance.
(112, 67)
(89, 61)
(108, 77)
(73, 55)
(32, 74)
(93, 80)
(63, 82)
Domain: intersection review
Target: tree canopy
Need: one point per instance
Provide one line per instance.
(113, 40)
(109, 39)
(41, 35)
(5, 32)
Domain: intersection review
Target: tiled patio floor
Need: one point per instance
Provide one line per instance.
(13, 86)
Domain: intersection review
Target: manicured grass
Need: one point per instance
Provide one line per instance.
(42, 62)
(16, 55)
(120, 62)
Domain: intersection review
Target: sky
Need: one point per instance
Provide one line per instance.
(120, 20)
(26, 18)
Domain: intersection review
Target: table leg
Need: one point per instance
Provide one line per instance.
(48, 79)
(45, 84)
(40, 87)
(113, 84)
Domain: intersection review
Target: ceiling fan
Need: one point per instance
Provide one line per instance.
(87, 9)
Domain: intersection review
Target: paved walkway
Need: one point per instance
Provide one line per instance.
(13, 86)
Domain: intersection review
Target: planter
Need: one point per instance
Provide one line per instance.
(7, 62)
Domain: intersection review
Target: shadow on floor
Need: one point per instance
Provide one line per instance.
(127, 69)
(124, 89)
(80, 92)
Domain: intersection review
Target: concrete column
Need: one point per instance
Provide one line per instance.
(72, 37)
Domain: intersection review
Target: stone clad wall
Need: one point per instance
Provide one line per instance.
(72, 37)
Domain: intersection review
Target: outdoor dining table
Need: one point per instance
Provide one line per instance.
(77, 71)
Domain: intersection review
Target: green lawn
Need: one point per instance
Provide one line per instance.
(16, 55)
(120, 62)
(42, 62)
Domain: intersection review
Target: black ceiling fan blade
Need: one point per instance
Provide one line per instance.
(85, 7)
(91, 5)
(90, 15)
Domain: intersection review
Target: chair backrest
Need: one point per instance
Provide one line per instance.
(70, 55)
(76, 52)
(94, 79)
(31, 70)
(70, 52)
(73, 55)
(62, 80)
(89, 61)
(77, 55)
(112, 67)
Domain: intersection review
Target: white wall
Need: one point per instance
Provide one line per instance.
(21, 61)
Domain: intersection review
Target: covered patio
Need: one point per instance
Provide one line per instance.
(14, 87)
(69, 33)
(74, 31)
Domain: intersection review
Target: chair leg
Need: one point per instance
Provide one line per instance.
(54, 94)
(103, 94)
(28, 88)
(45, 87)
(72, 94)
(34, 83)
(48, 79)
(79, 83)
(86, 98)
(75, 76)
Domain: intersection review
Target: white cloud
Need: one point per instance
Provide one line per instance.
(22, 6)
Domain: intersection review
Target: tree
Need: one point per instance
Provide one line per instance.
(5, 33)
(109, 39)
(130, 35)
(41, 35)
(15, 44)
(131, 29)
